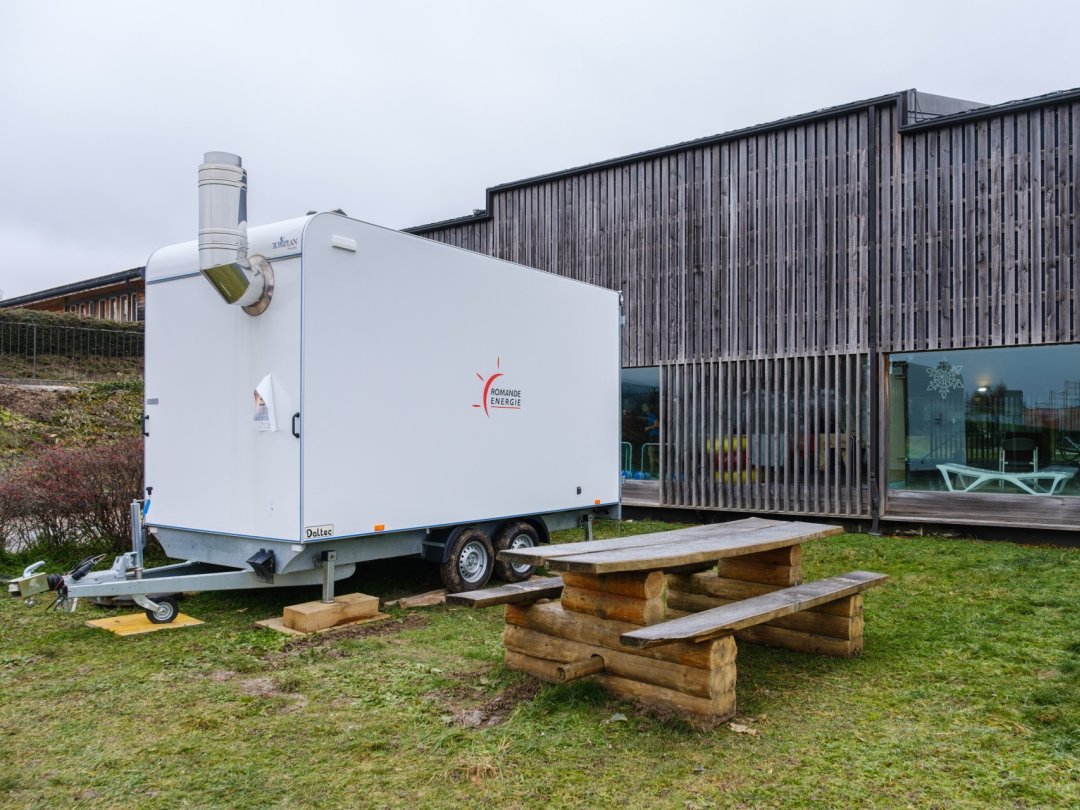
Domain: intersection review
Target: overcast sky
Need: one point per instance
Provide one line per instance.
(403, 113)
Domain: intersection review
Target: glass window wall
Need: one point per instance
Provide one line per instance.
(992, 421)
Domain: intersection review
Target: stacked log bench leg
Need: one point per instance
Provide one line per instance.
(579, 637)
(699, 679)
(554, 642)
(834, 628)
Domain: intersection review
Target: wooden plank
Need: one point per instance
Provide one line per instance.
(515, 593)
(692, 551)
(553, 619)
(681, 603)
(709, 583)
(537, 555)
(721, 621)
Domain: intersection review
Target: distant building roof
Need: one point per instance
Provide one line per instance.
(74, 288)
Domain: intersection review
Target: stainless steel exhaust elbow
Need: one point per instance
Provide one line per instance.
(247, 281)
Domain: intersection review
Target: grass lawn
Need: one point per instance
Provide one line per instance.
(968, 694)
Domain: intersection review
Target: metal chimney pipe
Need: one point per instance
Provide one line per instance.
(247, 281)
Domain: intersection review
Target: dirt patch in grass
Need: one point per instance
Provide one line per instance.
(265, 688)
(459, 701)
(412, 621)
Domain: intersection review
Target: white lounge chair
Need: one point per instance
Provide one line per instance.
(1047, 481)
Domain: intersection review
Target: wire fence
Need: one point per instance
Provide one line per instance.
(47, 353)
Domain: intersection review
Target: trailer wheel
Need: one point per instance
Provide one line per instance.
(468, 566)
(516, 535)
(166, 612)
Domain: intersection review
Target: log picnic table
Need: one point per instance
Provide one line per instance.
(655, 617)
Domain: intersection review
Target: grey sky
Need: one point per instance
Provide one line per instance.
(403, 113)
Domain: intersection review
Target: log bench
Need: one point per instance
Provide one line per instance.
(727, 619)
(642, 616)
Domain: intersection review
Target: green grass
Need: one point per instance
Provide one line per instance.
(967, 695)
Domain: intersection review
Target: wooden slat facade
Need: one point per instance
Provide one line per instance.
(744, 265)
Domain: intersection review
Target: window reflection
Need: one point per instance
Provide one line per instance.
(986, 420)
(640, 456)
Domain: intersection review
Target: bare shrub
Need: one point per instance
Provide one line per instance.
(72, 497)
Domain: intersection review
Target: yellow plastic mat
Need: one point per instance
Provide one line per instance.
(138, 623)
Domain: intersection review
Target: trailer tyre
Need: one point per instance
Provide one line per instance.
(166, 612)
(514, 536)
(469, 564)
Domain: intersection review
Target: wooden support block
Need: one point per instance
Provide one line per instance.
(614, 606)
(743, 569)
(553, 619)
(311, 617)
(679, 677)
(716, 708)
(649, 585)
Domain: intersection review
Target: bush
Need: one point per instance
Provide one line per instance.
(72, 498)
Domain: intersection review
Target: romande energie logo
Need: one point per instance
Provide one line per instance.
(497, 396)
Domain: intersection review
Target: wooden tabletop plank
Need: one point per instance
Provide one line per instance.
(538, 554)
(658, 557)
(720, 621)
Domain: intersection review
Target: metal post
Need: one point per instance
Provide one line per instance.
(33, 354)
(873, 320)
(588, 526)
(328, 560)
(137, 537)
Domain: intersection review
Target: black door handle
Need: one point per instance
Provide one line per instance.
(145, 419)
(296, 425)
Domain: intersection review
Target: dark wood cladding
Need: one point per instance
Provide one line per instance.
(743, 261)
(750, 248)
(757, 246)
(979, 228)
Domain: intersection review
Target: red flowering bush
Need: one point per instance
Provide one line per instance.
(72, 496)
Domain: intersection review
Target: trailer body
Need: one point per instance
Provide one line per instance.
(394, 389)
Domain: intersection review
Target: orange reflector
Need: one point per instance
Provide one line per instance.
(597, 501)
(380, 526)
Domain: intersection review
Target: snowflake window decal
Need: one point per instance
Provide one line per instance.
(944, 378)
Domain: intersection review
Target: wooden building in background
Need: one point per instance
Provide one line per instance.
(115, 297)
(859, 312)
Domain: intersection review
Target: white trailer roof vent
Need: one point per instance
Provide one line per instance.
(247, 281)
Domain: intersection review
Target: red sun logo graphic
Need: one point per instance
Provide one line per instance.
(486, 400)
(487, 386)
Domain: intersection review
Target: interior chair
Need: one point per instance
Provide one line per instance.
(1019, 454)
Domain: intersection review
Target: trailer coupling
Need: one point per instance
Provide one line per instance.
(34, 582)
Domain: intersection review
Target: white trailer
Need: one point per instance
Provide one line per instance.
(374, 394)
